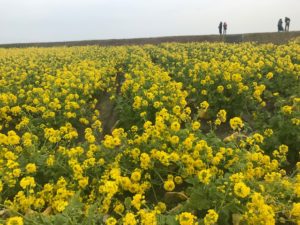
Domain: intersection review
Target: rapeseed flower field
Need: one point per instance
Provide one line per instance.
(195, 133)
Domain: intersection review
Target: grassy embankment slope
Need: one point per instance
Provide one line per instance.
(273, 37)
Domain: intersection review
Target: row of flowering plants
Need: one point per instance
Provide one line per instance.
(194, 133)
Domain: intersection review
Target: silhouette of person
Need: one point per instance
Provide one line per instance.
(220, 28)
(287, 23)
(279, 25)
(224, 28)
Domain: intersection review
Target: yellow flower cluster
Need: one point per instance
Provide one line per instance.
(16, 220)
(236, 123)
(167, 134)
(241, 190)
(211, 217)
(186, 218)
(259, 211)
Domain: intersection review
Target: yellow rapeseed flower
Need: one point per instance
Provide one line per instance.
(211, 217)
(241, 190)
(236, 123)
(186, 218)
(16, 220)
(31, 168)
(175, 126)
(169, 185)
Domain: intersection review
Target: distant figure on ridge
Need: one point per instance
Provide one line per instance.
(220, 28)
(279, 25)
(287, 23)
(224, 28)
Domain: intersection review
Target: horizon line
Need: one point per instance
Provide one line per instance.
(142, 38)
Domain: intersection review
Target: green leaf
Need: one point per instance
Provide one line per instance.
(236, 218)
(199, 199)
(167, 220)
(127, 203)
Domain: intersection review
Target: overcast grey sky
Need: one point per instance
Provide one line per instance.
(66, 20)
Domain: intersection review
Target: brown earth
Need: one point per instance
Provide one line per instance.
(273, 37)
